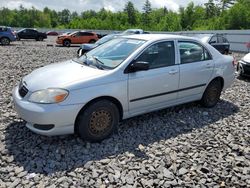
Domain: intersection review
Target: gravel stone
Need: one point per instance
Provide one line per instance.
(182, 146)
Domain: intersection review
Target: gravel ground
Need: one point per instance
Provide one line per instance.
(183, 146)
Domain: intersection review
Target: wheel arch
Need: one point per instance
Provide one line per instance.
(220, 79)
(109, 98)
(67, 40)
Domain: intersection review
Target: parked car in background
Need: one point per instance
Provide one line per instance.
(31, 34)
(243, 66)
(52, 33)
(117, 80)
(6, 35)
(134, 31)
(77, 37)
(218, 41)
(87, 47)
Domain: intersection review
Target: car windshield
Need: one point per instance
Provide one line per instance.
(105, 39)
(111, 54)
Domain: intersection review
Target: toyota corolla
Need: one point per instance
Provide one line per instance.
(122, 78)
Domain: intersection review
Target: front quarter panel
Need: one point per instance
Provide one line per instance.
(111, 85)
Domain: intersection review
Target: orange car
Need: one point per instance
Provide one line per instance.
(77, 37)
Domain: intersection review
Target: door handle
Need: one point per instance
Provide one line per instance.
(173, 72)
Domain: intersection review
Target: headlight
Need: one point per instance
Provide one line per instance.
(48, 96)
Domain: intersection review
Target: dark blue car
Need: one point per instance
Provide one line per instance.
(6, 35)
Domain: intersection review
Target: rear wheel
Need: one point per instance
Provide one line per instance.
(40, 38)
(211, 96)
(66, 43)
(5, 41)
(98, 121)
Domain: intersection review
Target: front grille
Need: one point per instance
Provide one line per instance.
(23, 91)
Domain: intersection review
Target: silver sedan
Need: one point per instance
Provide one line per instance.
(122, 78)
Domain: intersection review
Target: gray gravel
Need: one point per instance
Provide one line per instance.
(183, 146)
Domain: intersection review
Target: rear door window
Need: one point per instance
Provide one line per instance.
(192, 52)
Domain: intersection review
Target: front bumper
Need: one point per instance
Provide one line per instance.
(61, 116)
(59, 41)
(245, 66)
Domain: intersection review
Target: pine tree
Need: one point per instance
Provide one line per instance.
(146, 13)
(131, 12)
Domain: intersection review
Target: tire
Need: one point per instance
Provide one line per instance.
(5, 41)
(211, 96)
(98, 121)
(66, 43)
(92, 41)
(40, 38)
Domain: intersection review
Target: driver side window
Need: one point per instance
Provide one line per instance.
(158, 55)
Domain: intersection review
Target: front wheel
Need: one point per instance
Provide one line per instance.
(211, 96)
(5, 41)
(66, 43)
(98, 121)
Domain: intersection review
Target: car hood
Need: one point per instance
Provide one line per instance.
(246, 58)
(60, 75)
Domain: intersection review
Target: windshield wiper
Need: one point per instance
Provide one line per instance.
(98, 63)
(98, 60)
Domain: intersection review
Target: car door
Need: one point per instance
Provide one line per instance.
(29, 34)
(23, 34)
(33, 34)
(76, 38)
(156, 87)
(196, 69)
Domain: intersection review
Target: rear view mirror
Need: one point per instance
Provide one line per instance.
(137, 66)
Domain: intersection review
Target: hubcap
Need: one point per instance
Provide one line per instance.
(212, 95)
(100, 122)
(5, 41)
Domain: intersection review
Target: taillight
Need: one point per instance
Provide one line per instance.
(234, 62)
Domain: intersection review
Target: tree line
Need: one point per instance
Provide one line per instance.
(212, 15)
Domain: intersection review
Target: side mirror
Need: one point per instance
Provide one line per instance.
(137, 66)
(212, 42)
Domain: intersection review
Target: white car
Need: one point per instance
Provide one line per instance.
(120, 79)
(243, 66)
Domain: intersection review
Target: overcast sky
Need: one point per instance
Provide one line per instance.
(82, 5)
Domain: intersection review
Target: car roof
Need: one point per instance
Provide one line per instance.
(156, 37)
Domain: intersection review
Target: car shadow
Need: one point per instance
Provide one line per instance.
(47, 155)
(244, 78)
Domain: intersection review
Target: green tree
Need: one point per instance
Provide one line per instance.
(225, 4)
(131, 13)
(211, 9)
(147, 9)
